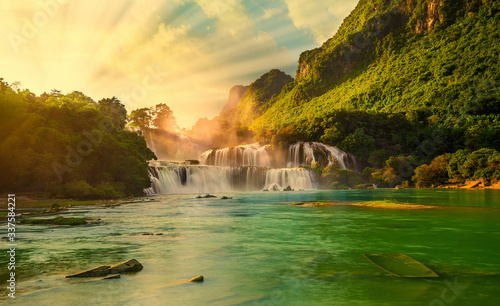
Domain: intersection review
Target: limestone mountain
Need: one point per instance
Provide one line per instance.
(235, 95)
(402, 77)
(257, 99)
(399, 56)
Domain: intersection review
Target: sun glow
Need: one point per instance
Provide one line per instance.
(187, 54)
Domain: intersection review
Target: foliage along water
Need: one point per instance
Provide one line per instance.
(256, 249)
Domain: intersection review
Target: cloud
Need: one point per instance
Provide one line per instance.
(321, 18)
(270, 13)
(201, 68)
(198, 48)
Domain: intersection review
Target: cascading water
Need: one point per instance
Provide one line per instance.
(186, 149)
(306, 153)
(177, 178)
(246, 168)
(252, 155)
(295, 178)
(150, 142)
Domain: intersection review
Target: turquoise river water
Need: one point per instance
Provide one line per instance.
(257, 249)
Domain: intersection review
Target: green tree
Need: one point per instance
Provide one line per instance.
(113, 108)
(140, 118)
(163, 118)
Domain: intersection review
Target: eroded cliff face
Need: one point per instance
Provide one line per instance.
(424, 25)
(235, 95)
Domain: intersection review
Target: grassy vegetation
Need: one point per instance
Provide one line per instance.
(55, 221)
(387, 204)
(50, 204)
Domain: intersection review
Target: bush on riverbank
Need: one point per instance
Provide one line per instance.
(459, 167)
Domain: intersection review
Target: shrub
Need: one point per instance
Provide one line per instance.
(77, 189)
(476, 165)
(434, 174)
(456, 161)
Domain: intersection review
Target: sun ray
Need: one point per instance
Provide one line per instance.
(105, 48)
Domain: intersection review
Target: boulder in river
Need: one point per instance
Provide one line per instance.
(94, 272)
(197, 279)
(131, 265)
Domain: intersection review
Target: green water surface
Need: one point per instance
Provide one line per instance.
(256, 249)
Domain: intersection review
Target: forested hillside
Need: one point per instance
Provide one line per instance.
(411, 79)
(69, 146)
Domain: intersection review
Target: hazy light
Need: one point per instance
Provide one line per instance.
(184, 53)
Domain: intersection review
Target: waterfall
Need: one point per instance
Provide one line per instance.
(306, 153)
(186, 149)
(150, 142)
(167, 178)
(245, 168)
(296, 178)
(252, 155)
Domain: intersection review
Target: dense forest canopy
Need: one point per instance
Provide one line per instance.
(69, 145)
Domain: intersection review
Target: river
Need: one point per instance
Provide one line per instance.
(257, 249)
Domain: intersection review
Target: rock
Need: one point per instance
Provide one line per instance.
(112, 277)
(197, 279)
(472, 184)
(207, 196)
(131, 265)
(147, 234)
(289, 188)
(159, 234)
(226, 198)
(94, 272)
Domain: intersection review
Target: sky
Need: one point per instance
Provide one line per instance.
(185, 53)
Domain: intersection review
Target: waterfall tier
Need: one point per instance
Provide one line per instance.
(253, 155)
(299, 154)
(307, 153)
(169, 178)
(246, 168)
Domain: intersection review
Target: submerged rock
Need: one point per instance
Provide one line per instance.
(94, 272)
(207, 196)
(226, 198)
(131, 265)
(197, 279)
